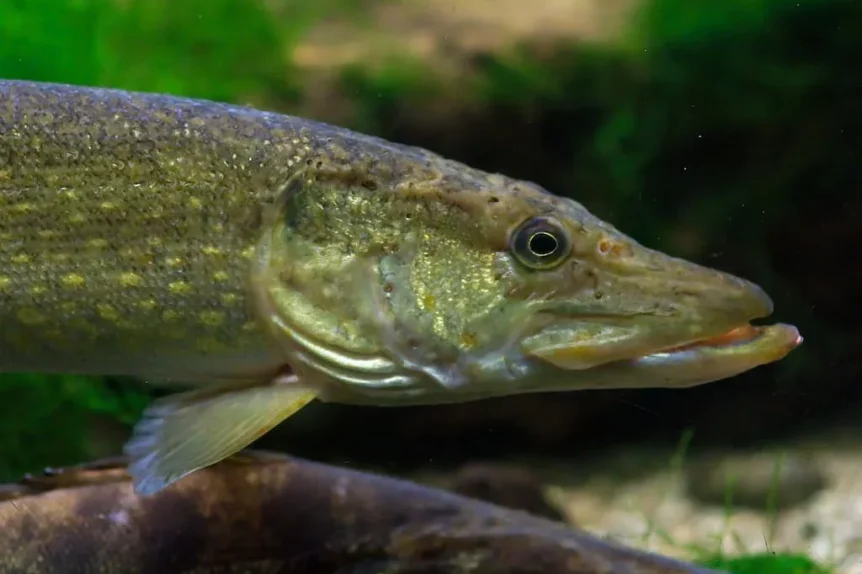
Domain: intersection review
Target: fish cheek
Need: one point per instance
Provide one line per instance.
(442, 292)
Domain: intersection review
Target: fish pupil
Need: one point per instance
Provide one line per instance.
(543, 244)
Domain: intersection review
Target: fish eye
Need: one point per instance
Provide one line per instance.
(540, 243)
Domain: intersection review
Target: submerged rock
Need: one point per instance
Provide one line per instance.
(266, 513)
(505, 485)
(760, 481)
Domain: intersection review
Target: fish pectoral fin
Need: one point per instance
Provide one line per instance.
(182, 433)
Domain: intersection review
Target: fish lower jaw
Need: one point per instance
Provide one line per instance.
(771, 341)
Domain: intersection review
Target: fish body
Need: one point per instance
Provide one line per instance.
(128, 225)
(261, 513)
(271, 260)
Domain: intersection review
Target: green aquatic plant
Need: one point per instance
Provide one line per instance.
(52, 420)
(742, 559)
(218, 49)
(767, 563)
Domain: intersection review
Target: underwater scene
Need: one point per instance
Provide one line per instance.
(430, 287)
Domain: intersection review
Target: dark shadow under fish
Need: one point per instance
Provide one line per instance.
(267, 513)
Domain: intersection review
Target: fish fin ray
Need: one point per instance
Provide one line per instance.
(182, 433)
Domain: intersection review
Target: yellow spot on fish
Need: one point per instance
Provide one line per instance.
(37, 290)
(170, 315)
(98, 243)
(108, 205)
(210, 250)
(31, 316)
(195, 203)
(82, 325)
(76, 217)
(47, 233)
(173, 261)
(148, 304)
(468, 339)
(130, 279)
(229, 298)
(155, 241)
(430, 302)
(249, 326)
(179, 287)
(21, 258)
(176, 332)
(56, 335)
(212, 318)
(72, 280)
(68, 307)
(4, 281)
(107, 312)
(5, 174)
(248, 252)
(23, 207)
(220, 276)
(210, 345)
(126, 324)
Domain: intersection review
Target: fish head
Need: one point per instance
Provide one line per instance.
(609, 312)
(461, 285)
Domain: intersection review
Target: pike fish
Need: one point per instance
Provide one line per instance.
(265, 261)
(263, 513)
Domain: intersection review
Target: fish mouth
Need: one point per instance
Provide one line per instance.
(695, 362)
(768, 341)
(717, 357)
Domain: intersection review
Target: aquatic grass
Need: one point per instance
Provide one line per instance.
(767, 564)
(740, 558)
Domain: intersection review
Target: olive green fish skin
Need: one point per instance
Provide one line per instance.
(125, 222)
(268, 514)
(128, 222)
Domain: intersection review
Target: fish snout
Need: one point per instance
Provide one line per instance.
(750, 299)
(719, 300)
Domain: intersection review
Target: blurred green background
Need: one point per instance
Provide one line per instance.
(726, 132)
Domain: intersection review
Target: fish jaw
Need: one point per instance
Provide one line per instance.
(718, 358)
(647, 314)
